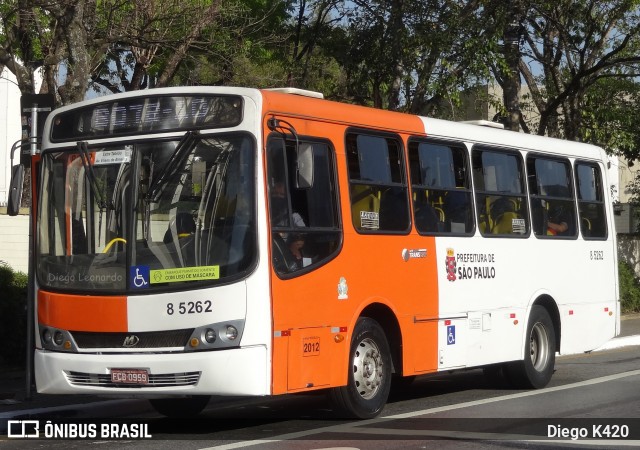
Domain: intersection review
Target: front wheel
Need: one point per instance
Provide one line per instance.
(535, 370)
(369, 378)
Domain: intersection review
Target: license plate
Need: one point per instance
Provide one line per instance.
(129, 376)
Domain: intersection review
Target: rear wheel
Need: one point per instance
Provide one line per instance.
(180, 407)
(535, 370)
(369, 378)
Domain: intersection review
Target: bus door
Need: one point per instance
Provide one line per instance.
(305, 236)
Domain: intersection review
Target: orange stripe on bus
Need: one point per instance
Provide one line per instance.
(82, 312)
(344, 114)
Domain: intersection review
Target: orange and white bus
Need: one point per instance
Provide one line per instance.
(205, 241)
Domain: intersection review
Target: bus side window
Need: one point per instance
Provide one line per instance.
(500, 194)
(593, 222)
(305, 226)
(551, 190)
(441, 188)
(377, 186)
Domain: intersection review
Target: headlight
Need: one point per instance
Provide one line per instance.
(58, 338)
(231, 333)
(210, 335)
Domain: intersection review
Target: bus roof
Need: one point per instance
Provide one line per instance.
(301, 103)
(295, 104)
(353, 115)
(492, 136)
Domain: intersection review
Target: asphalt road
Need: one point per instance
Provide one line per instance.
(459, 410)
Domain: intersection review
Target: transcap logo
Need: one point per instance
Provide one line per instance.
(23, 429)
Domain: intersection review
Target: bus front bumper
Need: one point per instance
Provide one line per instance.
(243, 371)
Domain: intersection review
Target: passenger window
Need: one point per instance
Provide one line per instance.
(500, 194)
(441, 190)
(379, 200)
(553, 208)
(305, 228)
(593, 222)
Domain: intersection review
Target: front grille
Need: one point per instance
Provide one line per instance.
(155, 380)
(150, 339)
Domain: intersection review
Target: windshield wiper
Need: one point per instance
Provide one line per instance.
(173, 166)
(83, 150)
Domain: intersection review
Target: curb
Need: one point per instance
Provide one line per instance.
(619, 342)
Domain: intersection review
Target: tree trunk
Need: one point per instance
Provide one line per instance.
(511, 79)
(179, 54)
(396, 33)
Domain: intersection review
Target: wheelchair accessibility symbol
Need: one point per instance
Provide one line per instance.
(139, 277)
(451, 335)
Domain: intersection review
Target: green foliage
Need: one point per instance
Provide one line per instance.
(580, 59)
(633, 188)
(243, 47)
(416, 55)
(29, 29)
(610, 124)
(578, 54)
(629, 288)
(13, 317)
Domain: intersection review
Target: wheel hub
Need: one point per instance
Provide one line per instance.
(367, 368)
(539, 345)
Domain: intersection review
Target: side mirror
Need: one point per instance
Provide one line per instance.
(304, 166)
(15, 190)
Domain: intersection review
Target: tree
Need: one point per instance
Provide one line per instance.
(415, 55)
(23, 40)
(408, 55)
(456, 43)
(608, 116)
(570, 48)
(313, 29)
(247, 47)
(113, 44)
(58, 36)
(148, 40)
(509, 18)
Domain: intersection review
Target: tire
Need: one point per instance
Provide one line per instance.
(369, 379)
(536, 369)
(180, 407)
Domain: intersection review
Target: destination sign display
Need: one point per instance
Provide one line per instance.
(152, 114)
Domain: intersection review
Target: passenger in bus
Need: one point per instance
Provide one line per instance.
(279, 208)
(558, 222)
(291, 255)
(504, 214)
(287, 254)
(559, 219)
(427, 218)
(458, 212)
(295, 242)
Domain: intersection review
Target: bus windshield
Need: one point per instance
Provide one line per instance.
(147, 215)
